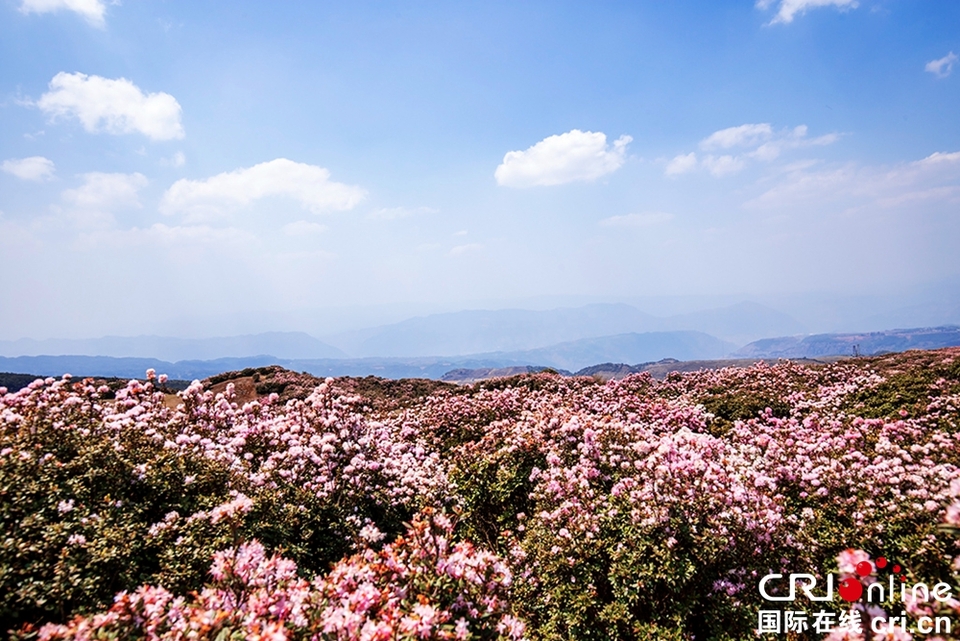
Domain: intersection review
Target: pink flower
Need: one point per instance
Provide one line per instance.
(77, 539)
(848, 559)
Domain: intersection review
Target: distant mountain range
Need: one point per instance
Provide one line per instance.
(277, 344)
(511, 330)
(188, 370)
(570, 355)
(465, 333)
(566, 338)
(867, 343)
(656, 352)
(630, 348)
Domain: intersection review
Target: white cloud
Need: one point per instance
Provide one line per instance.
(303, 228)
(934, 179)
(112, 106)
(571, 157)
(393, 213)
(742, 136)
(939, 157)
(941, 68)
(794, 139)
(309, 185)
(92, 10)
(101, 191)
(789, 9)
(756, 141)
(723, 165)
(33, 168)
(682, 164)
(645, 219)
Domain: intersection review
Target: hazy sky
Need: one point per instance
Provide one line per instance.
(168, 159)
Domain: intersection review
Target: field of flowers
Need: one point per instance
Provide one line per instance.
(535, 507)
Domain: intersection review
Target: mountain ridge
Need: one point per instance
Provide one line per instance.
(570, 355)
(852, 343)
(167, 348)
(482, 331)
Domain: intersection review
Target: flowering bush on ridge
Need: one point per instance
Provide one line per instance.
(629, 509)
(422, 586)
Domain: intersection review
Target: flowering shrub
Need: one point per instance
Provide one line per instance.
(98, 496)
(422, 586)
(585, 510)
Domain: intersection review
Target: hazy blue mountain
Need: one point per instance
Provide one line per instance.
(448, 334)
(612, 351)
(277, 344)
(506, 330)
(570, 355)
(189, 370)
(478, 331)
(739, 323)
(934, 304)
(84, 366)
(628, 348)
(865, 343)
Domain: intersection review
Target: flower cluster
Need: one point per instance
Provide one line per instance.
(422, 586)
(629, 509)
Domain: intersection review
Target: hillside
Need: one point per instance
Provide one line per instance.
(265, 499)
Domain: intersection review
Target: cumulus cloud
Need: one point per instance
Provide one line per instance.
(34, 168)
(309, 185)
(91, 205)
(752, 141)
(576, 156)
(943, 67)
(789, 9)
(112, 106)
(106, 191)
(682, 164)
(645, 219)
(723, 165)
(91, 10)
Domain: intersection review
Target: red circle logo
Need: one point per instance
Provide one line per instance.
(850, 589)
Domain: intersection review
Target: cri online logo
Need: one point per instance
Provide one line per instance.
(851, 588)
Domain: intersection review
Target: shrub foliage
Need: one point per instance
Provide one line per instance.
(535, 507)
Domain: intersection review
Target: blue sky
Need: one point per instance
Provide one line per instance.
(172, 160)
